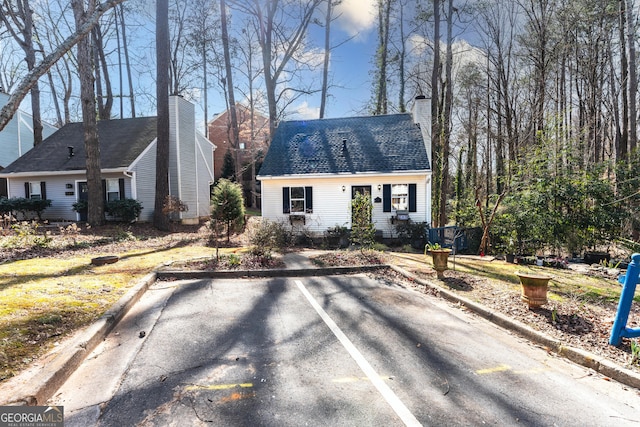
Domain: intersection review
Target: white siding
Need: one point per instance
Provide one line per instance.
(17, 136)
(145, 182)
(56, 186)
(183, 167)
(332, 206)
(204, 163)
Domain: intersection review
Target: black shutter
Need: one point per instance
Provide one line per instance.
(27, 190)
(43, 190)
(412, 197)
(104, 189)
(286, 205)
(121, 188)
(308, 199)
(386, 198)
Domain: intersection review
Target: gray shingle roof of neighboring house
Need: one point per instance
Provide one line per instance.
(387, 143)
(121, 142)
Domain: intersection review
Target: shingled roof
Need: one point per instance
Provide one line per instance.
(387, 143)
(121, 142)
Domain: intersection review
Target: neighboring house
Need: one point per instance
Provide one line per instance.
(56, 170)
(253, 142)
(17, 138)
(314, 168)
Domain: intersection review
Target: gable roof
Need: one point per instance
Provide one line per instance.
(387, 143)
(121, 142)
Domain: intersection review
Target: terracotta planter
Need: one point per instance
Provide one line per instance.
(534, 288)
(440, 259)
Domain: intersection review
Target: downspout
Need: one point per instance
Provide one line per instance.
(134, 188)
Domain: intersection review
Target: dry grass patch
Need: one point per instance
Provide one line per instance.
(42, 300)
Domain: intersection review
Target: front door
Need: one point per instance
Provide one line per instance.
(359, 189)
(83, 197)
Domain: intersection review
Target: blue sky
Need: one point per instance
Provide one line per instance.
(349, 67)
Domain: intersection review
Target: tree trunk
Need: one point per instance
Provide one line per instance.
(95, 213)
(435, 111)
(623, 144)
(125, 45)
(234, 137)
(446, 119)
(160, 220)
(384, 13)
(327, 55)
(633, 78)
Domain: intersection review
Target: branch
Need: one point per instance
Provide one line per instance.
(39, 70)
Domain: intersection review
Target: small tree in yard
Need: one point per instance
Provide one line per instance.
(227, 206)
(363, 231)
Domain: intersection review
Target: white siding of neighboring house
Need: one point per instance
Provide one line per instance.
(331, 205)
(17, 136)
(183, 169)
(56, 187)
(205, 176)
(144, 173)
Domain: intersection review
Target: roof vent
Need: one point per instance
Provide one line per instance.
(70, 148)
(344, 144)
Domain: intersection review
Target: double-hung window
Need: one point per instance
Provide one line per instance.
(297, 200)
(35, 190)
(112, 190)
(400, 197)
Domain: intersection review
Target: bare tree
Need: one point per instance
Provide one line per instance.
(282, 29)
(27, 82)
(95, 212)
(327, 55)
(233, 130)
(125, 47)
(17, 16)
(382, 56)
(160, 220)
(9, 68)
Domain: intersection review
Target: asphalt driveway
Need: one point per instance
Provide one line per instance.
(326, 351)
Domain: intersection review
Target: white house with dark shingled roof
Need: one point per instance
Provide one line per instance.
(314, 168)
(55, 169)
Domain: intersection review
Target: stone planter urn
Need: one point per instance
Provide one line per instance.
(440, 259)
(534, 288)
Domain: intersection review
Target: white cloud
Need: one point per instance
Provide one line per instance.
(356, 15)
(304, 111)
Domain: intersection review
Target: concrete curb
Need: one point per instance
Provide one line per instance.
(587, 359)
(37, 384)
(296, 272)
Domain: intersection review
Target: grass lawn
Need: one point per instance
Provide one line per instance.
(42, 300)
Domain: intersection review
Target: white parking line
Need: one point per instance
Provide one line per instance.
(392, 399)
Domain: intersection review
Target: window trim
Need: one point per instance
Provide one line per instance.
(288, 200)
(412, 190)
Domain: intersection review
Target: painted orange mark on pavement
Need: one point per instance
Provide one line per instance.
(238, 396)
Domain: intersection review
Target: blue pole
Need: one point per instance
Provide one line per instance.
(620, 329)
